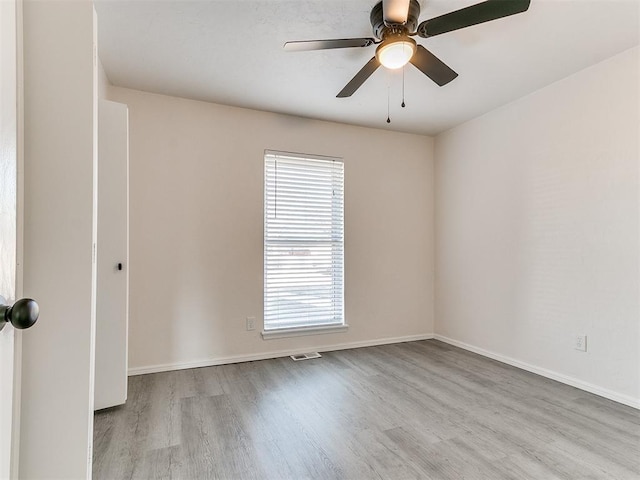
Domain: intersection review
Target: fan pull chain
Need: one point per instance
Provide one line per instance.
(388, 101)
(402, 104)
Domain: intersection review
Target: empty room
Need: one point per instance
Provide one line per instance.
(320, 239)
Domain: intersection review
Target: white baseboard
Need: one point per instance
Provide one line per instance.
(574, 382)
(208, 362)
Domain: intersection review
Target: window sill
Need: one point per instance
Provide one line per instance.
(303, 331)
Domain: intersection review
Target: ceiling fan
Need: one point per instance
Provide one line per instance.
(394, 22)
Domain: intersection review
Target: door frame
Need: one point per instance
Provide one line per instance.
(17, 361)
(14, 8)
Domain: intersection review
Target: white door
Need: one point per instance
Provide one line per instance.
(113, 251)
(9, 387)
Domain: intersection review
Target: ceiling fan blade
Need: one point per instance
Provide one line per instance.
(432, 66)
(357, 81)
(395, 11)
(326, 44)
(473, 15)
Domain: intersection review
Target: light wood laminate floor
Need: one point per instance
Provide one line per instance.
(417, 410)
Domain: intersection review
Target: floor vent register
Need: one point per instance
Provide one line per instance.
(305, 356)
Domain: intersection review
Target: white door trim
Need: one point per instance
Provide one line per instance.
(12, 105)
(17, 361)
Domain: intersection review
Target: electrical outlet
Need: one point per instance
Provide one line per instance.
(580, 343)
(251, 323)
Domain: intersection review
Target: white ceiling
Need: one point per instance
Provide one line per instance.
(230, 52)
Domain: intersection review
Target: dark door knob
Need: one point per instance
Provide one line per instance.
(22, 314)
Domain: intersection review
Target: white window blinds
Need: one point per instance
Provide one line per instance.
(303, 241)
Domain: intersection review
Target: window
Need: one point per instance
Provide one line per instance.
(303, 242)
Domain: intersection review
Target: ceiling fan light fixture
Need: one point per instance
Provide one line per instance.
(396, 52)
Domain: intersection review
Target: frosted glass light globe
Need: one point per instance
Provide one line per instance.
(396, 53)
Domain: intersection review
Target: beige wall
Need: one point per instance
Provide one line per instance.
(196, 253)
(537, 230)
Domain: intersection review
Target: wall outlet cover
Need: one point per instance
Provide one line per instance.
(580, 343)
(251, 323)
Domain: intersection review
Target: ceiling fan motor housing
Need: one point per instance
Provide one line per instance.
(380, 29)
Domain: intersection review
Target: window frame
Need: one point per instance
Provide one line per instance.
(314, 328)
